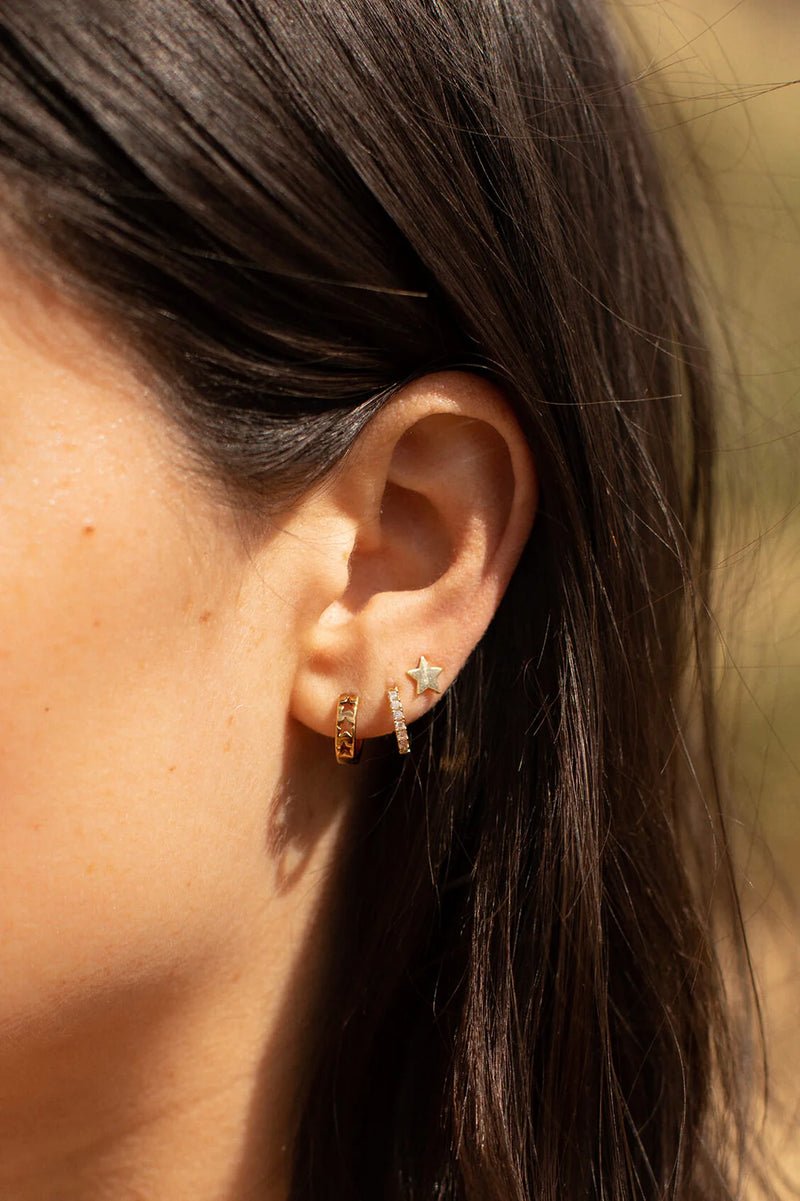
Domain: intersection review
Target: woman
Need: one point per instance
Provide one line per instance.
(354, 407)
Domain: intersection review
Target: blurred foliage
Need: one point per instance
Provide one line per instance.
(719, 80)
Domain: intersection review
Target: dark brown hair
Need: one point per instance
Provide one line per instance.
(290, 208)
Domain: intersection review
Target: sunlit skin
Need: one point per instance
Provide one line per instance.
(147, 946)
(170, 800)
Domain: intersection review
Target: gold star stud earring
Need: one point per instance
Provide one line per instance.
(425, 675)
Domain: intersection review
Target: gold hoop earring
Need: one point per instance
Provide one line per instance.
(400, 729)
(347, 748)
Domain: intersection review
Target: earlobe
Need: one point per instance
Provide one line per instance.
(435, 504)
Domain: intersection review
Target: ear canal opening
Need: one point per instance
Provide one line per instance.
(414, 549)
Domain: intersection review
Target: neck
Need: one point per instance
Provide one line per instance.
(184, 1087)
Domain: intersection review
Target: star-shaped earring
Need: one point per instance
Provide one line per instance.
(425, 675)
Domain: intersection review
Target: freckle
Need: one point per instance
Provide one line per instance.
(205, 616)
(173, 768)
(88, 530)
(47, 708)
(96, 623)
(230, 719)
(89, 869)
(227, 746)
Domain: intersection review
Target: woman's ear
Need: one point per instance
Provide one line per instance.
(421, 528)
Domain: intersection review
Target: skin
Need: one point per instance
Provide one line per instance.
(140, 765)
(171, 809)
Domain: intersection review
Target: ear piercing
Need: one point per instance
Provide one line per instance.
(348, 750)
(425, 675)
(400, 729)
(347, 746)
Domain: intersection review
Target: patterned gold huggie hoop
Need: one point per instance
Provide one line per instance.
(348, 750)
(401, 732)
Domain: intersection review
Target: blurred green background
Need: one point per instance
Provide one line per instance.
(719, 80)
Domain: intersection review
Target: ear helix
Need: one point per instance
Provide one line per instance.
(347, 746)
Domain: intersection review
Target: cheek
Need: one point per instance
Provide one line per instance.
(131, 812)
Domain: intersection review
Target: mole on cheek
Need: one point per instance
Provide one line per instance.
(88, 530)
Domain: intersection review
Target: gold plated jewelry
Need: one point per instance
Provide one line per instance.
(400, 729)
(425, 675)
(348, 750)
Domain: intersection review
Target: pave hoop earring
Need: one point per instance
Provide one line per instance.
(347, 748)
(400, 729)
